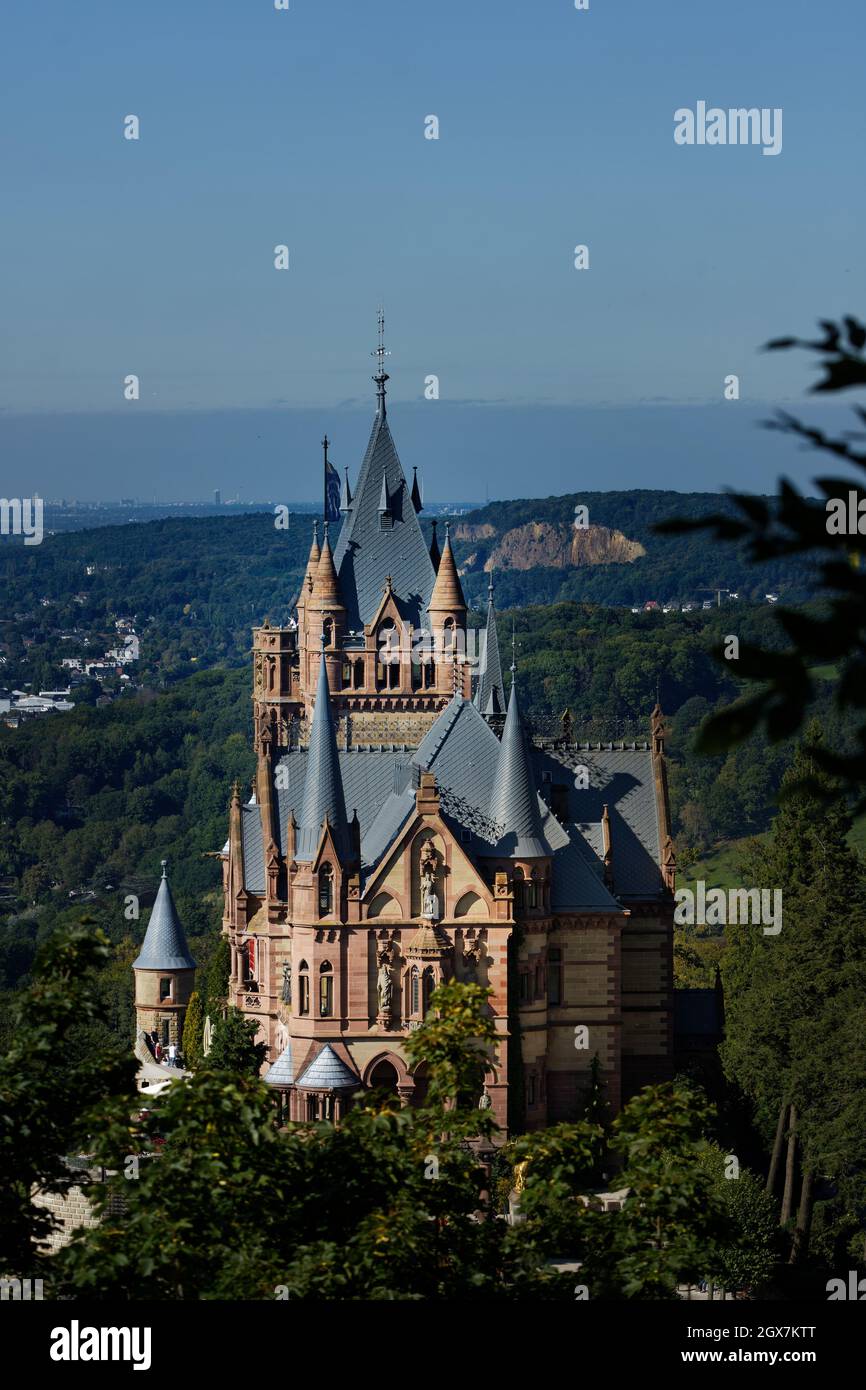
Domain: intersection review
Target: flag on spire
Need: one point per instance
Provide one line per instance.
(332, 487)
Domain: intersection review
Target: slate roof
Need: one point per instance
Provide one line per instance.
(164, 946)
(327, 1072)
(365, 553)
(462, 752)
(282, 1073)
(622, 779)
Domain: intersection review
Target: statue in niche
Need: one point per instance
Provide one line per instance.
(384, 982)
(286, 991)
(484, 1101)
(472, 957)
(428, 865)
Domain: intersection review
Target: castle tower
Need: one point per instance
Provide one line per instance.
(447, 613)
(164, 971)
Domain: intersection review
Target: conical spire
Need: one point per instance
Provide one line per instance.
(490, 695)
(312, 566)
(515, 807)
(435, 552)
(164, 945)
(323, 785)
(345, 492)
(416, 491)
(326, 589)
(447, 594)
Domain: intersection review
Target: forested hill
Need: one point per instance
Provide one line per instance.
(195, 586)
(539, 556)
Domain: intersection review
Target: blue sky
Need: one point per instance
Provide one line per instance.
(306, 128)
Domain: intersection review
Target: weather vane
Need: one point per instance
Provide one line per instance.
(380, 353)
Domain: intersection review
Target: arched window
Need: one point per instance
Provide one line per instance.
(326, 989)
(383, 1077)
(326, 890)
(519, 887)
(428, 986)
(414, 992)
(304, 988)
(532, 890)
(448, 635)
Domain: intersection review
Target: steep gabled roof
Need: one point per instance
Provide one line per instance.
(490, 694)
(164, 946)
(366, 552)
(515, 805)
(323, 785)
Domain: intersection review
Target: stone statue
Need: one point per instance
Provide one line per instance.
(428, 864)
(286, 992)
(429, 899)
(384, 982)
(472, 960)
(484, 1102)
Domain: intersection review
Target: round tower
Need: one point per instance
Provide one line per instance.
(164, 972)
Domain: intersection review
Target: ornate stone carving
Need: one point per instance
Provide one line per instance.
(384, 982)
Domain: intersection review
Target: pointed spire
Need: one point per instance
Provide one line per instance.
(490, 695)
(345, 492)
(310, 571)
(236, 844)
(323, 785)
(416, 490)
(326, 588)
(447, 595)
(164, 945)
(515, 805)
(435, 552)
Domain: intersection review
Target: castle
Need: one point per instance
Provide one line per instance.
(393, 841)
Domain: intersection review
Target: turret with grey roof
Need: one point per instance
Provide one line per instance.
(490, 693)
(515, 805)
(164, 946)
(323, 785)
(327, 1072)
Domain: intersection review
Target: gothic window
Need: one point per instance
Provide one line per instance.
(329, 632)
(304, 988)
(532, 890)
(347, 675)
(326, 989)
(448, 635)
(164, 990)
(518, 889)
(554, 975)
(414, 992)
(326, 890)
(359, 674)
(428, 986)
